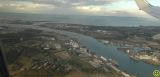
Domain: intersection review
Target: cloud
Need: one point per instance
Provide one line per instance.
(80, 7)
(69, 3)
(89, 8)
(50, 5)
(1, 5)
(24, 6)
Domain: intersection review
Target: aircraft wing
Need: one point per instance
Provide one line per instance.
(148, 8)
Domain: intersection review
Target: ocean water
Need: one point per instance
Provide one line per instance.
(140, 68)
(86, 20)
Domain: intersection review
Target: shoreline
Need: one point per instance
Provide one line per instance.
(132, 54)
(94, 34)
(110, 63)
(49, 30)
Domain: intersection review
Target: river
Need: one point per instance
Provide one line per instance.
(139, 69)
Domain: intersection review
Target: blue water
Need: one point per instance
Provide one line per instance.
(140, 69)
(86, 20)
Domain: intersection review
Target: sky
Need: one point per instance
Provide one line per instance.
(76, 7)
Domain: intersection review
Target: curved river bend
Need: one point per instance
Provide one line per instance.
(139, 69)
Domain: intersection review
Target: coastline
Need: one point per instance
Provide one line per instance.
(132, 54)
(44, 28)
(104, 62)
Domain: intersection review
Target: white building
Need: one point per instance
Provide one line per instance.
(103, 58)
(74, 44)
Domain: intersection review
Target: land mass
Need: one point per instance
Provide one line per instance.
(140, 43)
(37, 53)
